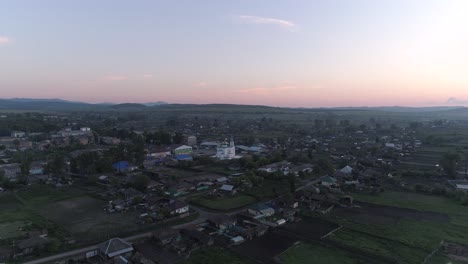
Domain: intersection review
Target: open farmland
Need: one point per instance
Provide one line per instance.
(436, 143)
(267, 247)
(400, 228)
(304, 253)
(20, 211)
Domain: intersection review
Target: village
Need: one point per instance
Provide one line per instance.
(193, 186)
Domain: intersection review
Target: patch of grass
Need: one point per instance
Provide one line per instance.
(8, 202)
(305, 253)
(37, 195)
(380, 245)
(84, 216)
(414, 201)
(224, 203)
(269, 189)
(10, 230)
(215, 255)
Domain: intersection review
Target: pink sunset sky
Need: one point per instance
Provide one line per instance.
(279, 53)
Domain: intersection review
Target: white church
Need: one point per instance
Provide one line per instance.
(226, 151)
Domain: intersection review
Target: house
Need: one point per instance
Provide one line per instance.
(130, 193)
(83, 140)
(36, 169)
(287, 202)
(282, 166)
(289, 214)
(28, 246)
(222, 222)
(18, 134)
(328, 181)
(110, 140)
(177, 207)
(261, 209)
(11, 171)
(222, 180)
(115, 247)
(166, 236)
(209, 144)
(178, 189)
(260, 230)
(253, 149)
(347, 170)
(251, 231)
(198, 237)
(192, 141)
(305, 168)
(226, 188)
(103, 179)
(237, 240)
(158, 152)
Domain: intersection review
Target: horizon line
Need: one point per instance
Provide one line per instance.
(263, 105)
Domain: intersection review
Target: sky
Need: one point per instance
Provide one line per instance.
(294, 53)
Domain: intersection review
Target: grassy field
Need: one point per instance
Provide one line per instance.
(415, 201)
(69, 208)
(224, 203)
(380, 245)
(16, 217)
(10, 230)
(9, 202)
(442, 259)
(304, 253)
(38, 195)
(407, 240)
(215, 255)
(84, 217)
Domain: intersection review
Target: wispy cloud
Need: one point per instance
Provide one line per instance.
(288, 25)
(254, 91)
(5, 40)
(147, 76)
(285, 87)
(115, 77)
(264, 91)
(201, 84)
(454, 100)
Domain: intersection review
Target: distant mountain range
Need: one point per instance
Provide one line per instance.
(402, 108)
(56, 104)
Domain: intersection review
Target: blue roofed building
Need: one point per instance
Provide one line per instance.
(120, 166)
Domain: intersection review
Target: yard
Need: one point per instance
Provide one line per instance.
(304, 253)
(223, 203)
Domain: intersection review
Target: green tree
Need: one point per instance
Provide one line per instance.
(141, 182)
(326, 165)
(449, 163)
(56, 163)
(292, 182)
